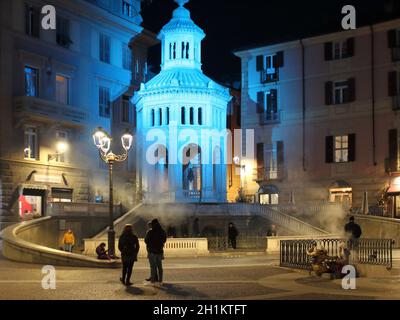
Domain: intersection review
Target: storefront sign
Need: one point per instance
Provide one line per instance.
(48, 179)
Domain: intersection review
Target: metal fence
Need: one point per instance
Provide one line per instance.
(293, 253)
(242, 242)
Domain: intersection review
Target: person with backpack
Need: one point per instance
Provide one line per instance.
(353, 233)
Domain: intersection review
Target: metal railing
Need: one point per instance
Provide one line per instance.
(270, 117)
(293, 253)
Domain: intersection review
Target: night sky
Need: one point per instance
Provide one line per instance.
(233, 24)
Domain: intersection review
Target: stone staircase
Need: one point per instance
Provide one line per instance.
(173, 212)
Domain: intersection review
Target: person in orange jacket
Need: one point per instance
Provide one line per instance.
(68, 240)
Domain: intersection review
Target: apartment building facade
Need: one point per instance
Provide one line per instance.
(325, 112)
(56, 87)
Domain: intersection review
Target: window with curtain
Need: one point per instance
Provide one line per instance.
(31, 81)
(126, 57)
(30, 143)
(62, 89)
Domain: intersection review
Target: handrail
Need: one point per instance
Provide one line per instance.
(277, 217)
(118, 221)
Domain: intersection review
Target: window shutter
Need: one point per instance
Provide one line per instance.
(329, 149)
(260, 63)
(352, 90)
(328, 51)
(260, 101)
(350, 47)
(352, 147)
(391, 39)
(280, 153)
(393, 149)
(329, 93)
(392, 83)
(279, 59)
(260, 155)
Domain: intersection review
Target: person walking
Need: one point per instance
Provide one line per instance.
(68, 240)
(353, 233)
(155, 240)
(128, 244)
(196, 228)
(232, 235)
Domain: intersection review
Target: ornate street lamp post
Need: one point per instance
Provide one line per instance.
(102, 140)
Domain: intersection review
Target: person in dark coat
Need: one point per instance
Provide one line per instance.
(129, 246)
(232, 235)
(353, 233)
(155, 240)
(196, 228)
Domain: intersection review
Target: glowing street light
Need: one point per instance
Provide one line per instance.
(102, 140)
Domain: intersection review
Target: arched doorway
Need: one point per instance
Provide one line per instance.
(341, 192)
(268, 194)
(191, 168)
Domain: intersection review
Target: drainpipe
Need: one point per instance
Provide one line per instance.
(373, 94)
(303, 63)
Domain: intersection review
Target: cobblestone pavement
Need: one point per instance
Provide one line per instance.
(241, 277)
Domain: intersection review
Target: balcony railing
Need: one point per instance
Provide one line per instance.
(267, 77)
(269, 173)
(48, 111)
(267, 118)
(395, 54)
(396, 103)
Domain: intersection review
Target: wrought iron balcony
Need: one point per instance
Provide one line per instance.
(268, 173)
(267, 118)
(48, 111)
(396, 103)
(395, 54)
(267, 77)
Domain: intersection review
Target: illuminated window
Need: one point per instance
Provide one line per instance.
(30, 143)
(62, 89)
(31, 81)
(341, 149)
(61, 137)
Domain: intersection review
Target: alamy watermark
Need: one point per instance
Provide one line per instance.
(49, 278)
